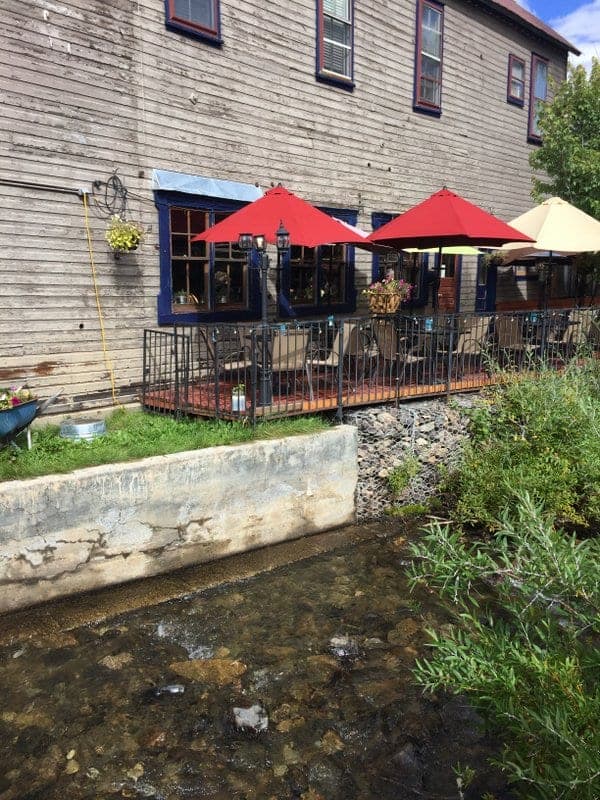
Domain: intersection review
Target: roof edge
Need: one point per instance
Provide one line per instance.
(509, 9)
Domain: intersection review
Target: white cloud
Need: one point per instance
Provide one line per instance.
(582, 28)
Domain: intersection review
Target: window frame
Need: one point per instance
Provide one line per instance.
(511, 98)
(164, 201)
(418, 297)
(420, 105)
(286, 309)
(194, 29)
(532, 136)
(323, 74)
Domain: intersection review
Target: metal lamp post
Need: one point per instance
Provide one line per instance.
(246, 243)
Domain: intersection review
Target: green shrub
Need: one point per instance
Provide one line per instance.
(524, 645)
(534, 434)
(408, 511)
(400, 477)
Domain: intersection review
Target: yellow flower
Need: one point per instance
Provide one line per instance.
(122, 235)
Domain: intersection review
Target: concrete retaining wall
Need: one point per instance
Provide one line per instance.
(70, 533)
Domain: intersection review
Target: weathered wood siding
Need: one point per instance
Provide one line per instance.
(92, 86)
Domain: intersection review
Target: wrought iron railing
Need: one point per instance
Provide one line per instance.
(217, 370)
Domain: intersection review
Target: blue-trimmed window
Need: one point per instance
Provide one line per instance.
(335, 42)
(428, 57)
(538, 93)
(515, 90)
(197, 18)
(411, 267)
(200, 281)
(319, 280)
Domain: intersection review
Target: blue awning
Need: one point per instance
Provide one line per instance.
(166, 181)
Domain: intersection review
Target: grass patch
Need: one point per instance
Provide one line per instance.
(133, 435)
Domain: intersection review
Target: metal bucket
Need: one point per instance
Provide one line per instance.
(86, 429)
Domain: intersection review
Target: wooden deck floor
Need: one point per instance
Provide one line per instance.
(208, 400)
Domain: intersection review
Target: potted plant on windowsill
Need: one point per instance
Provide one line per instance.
(122, 235)
(386, 295)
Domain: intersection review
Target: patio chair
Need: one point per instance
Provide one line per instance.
(583, 327)
(395, 356)
(471, 344)
(511, 345)
(288, 356)
(348, 343)
(222, 352)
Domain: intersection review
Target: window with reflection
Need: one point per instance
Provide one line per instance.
(410, 267)
(198, 18)
(207, 278)
(428, 79)
(200, 281)
(335, 40)
(515, 92)
(318, 275)
(537, 96)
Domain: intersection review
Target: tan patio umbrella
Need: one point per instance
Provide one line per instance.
(557, 227)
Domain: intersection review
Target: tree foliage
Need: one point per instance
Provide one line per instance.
(570, 150)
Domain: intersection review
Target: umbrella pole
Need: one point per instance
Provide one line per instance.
(437, 268)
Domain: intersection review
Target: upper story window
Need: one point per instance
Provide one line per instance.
(335, 41)
(428, 67)
(537, 95)
(515, 92)
(199, 18)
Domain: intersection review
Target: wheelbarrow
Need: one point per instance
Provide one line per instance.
(18, 418)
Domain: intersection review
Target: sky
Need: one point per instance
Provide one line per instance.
(577, 20)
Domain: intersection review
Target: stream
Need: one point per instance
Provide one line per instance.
(291, 683)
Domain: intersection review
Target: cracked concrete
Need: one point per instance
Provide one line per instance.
(64, 534)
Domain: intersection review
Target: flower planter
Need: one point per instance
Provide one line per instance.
(384, 303)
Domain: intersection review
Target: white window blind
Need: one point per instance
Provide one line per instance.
(337, 37)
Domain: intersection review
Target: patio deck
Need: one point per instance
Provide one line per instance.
(319, 366)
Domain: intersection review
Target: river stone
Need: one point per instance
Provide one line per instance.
(220, 671)
(331, 743)
(254, 718)
(117, 661)
(404, 632)
(321, 669)
(291, 756)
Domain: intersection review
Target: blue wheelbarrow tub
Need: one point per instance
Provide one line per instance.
(14, 420)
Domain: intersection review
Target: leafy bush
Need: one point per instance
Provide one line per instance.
(534, 434)
(401, 476)
(525, 644)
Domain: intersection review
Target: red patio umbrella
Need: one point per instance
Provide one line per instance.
(444, 220)
(306, 224)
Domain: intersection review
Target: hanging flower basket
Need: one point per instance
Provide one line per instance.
(385, 296)
(384, 303)
(123, 236)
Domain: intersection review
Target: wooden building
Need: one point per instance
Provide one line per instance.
(175, 113)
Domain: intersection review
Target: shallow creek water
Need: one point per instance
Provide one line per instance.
(141, 704)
